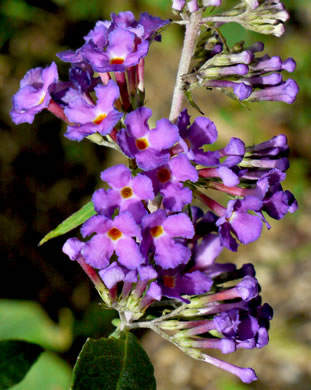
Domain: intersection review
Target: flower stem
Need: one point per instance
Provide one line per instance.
(192, 29)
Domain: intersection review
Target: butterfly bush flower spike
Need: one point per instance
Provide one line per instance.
(153, 255)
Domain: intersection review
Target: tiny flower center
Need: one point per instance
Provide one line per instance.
(164, 175)
(114, 233)
(156, 231)
(169, 281)
(116, 61)
(126, 192)
(142, 143)
(41, 100)
(99, 119)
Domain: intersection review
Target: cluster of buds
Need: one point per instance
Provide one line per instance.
(248, 76)
(146, 241)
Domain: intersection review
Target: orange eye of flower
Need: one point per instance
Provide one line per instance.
(169, 281)
(116, 61)
(126, 192)
(142, 143)
(99, 119)
(114, 233)
(156, 231)
(164, 175)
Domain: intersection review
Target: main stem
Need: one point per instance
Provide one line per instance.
(192, 29)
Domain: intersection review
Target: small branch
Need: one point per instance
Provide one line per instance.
(220, 19)
(192, 29)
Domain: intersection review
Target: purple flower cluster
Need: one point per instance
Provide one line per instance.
(146, 241)
(118, 46)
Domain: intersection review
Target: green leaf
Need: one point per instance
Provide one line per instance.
(50, 372)
(113, 364)
(16, 358)
(28, 321)
(72, 222)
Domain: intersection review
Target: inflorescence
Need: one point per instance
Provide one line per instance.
(148, 247)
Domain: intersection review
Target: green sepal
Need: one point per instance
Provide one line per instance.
(75, 220)
(192, 102)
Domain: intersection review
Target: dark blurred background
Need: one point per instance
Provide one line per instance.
(45, 178)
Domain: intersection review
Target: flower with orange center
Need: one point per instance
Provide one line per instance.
(114, 234)
(142, 143)
(156, 231)
(126, 192)
(164, 175)
(116, 61)
(169, 281)
(98, 120)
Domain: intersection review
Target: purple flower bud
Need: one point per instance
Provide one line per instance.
(247, 288)
(192, 5)
(285, 92)
(247, 375)
(112, 275)
(289, 65)
(73, 247)
(178, 5)
(271, 79)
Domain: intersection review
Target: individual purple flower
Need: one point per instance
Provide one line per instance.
(89, 118)
(246, 227)
(201, 132)
(168, 179)
(276, 202)
(150, 147)
(121, 52)
(160, 233)
(126, 193)
(34, 93)
(112, 236)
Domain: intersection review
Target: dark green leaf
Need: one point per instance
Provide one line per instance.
(113, 364)
(72, 222)
(16, 358)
